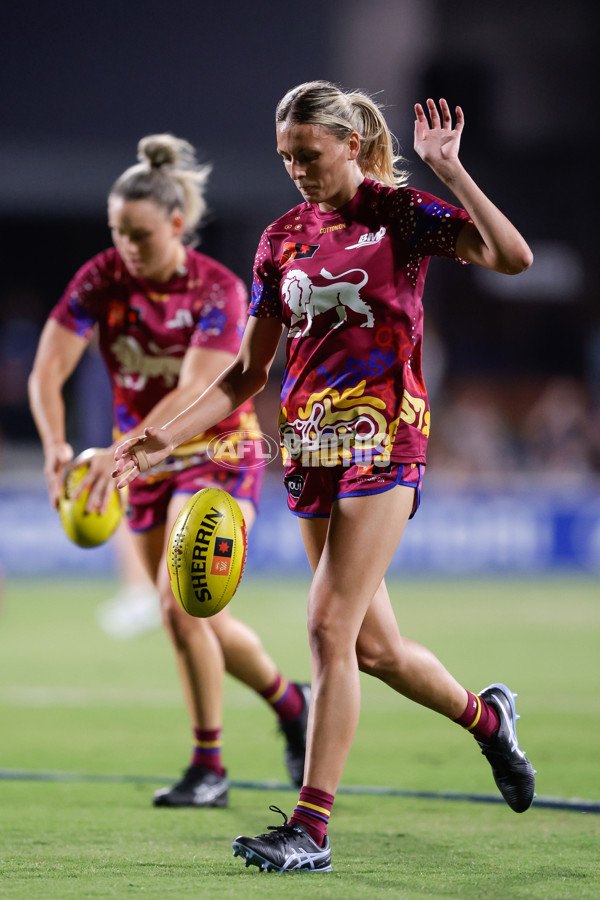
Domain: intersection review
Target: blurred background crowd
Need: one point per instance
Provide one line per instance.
(513, 365)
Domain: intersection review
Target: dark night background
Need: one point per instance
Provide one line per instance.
(516, 361)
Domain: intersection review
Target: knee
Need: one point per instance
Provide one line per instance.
(329, 636)
(178, 624)
(237, 640)
(321, 640)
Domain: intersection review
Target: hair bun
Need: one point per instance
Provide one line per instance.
(159, 150)
(167, 173)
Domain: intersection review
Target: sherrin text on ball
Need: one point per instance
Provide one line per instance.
(206, 553)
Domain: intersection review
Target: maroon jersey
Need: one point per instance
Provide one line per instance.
(348, 284)
(145, 327)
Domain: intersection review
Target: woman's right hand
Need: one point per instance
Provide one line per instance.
(141, 453)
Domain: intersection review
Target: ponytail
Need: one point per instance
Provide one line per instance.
(340, 112)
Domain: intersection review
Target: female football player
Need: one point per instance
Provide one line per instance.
(168, 320)
(344, 272)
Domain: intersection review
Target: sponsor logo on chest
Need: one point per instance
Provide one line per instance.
(372, 237)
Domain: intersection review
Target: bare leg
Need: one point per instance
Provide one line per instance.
(197, 650)
(243, 652)
(132, 568)
(404, 665)
(204, 648)
(244, 655)
(355, 553)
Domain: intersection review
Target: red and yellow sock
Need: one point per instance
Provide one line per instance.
(312, 812)
(207, 749)
(479, 718)
(285, 698)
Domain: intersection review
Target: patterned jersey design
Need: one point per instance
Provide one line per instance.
(144, 329)
(348, 284)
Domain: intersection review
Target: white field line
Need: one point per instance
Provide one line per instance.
(61, 696)
(73, 696)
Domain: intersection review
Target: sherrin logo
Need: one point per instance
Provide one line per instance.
(200, 553)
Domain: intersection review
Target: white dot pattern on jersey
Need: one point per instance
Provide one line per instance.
(398, 207)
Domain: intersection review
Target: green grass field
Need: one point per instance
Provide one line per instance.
(109, 717)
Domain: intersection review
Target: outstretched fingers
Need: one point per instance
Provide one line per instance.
(437, 137)
(460, 118)
(123, 450)
(127, 476)
(441, 118)
(434, 115)
(127, 470)
(141, 453)
(130, 461)
(420, 113)
(141, 458)
(421, 120)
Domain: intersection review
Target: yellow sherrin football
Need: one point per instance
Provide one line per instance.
(206, 554)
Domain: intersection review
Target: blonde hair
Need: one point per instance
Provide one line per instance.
(341, 112)
(168, 174)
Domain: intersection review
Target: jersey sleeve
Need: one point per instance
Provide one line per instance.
(428, 226)
(223, 313)
(78, 308)
(265, 302)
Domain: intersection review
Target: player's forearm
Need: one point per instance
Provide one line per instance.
(48, 410)
(503, 249)
(169, 407)
(218, 401)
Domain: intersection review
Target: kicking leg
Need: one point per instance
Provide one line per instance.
(247, 660)
(403, 664)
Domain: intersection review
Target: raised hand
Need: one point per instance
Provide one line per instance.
(140, 454)
(437, 142)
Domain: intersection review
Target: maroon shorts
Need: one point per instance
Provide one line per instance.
(312, 489)
(149, 499)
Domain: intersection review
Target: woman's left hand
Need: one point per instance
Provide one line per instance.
(437, 142)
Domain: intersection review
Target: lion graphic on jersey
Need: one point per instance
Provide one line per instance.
(136, 366)
(308, 300)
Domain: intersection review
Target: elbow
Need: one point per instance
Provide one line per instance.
(254, 376)
(33, 385)
(261, 381)
(242, 383)
(257, 383)
(519, 262)
(44, 387)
